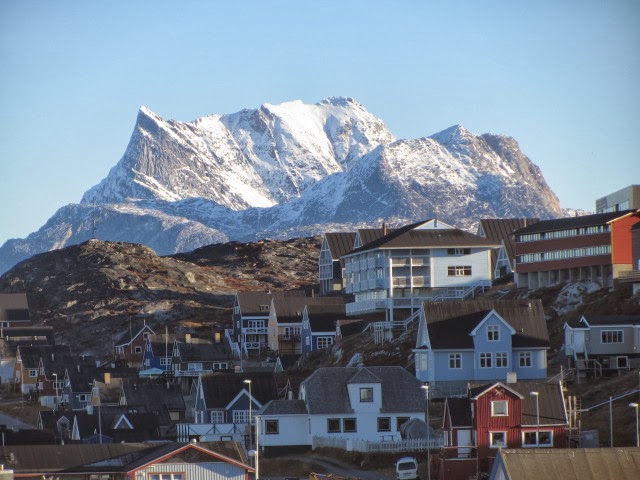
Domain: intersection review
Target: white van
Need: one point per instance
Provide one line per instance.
(407, 468)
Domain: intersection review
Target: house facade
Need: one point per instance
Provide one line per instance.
(591, 247)
(500, 415)
(480, 340)
(428, 260)
(358, 403)
(603, 342)
(130, 346)
(330, 266)
(320, 326)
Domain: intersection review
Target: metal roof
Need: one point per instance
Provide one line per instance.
(340, 243)
(572, 222)
(500, 230)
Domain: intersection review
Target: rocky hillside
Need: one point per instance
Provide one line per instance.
(91, 292)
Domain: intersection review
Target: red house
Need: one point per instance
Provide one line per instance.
(494, 416)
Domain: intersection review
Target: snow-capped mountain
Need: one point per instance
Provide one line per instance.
(289, 170)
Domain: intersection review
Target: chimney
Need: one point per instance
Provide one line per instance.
(290, 395)
(187, 338)
(78, 367)
(217, 337)
(53, 357)
(384, 228)
(107, 378)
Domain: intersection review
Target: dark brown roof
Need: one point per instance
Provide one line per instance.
(446, 321)
(55, 357)
(368, 235)
(459, 411)
(621, 463)
(340, 243)
(222, 387)
(572, 222)
(500, 230)
(289, 309)
(250, 302)
(409, 236)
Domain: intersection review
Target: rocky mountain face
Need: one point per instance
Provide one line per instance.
(290, 170)
(95, 291)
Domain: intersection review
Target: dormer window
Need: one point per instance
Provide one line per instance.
(493, 333)
(366, 394)
(264, 308)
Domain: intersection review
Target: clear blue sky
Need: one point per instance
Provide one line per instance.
(561, 77)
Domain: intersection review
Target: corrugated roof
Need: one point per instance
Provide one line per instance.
(326, 390)
(340, 243)
(368, 235)
(572, 222)
(500, 230)
(571, 463)
(446, 321)
(410, 237)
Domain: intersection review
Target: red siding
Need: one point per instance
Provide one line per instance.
(593, 261)
(577, 241)
(621, 251)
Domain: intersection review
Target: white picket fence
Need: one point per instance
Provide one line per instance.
(392, 446)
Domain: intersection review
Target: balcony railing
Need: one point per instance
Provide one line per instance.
(255, 331)
(629, 276)
(289, 338)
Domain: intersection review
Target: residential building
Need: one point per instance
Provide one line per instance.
(594, 343)
(627, 198)
(500, 230)
(319, 325)
(129, 347)
(194, 356)
(500, 415)
(125, 461)
(330, 265)
(591, 247)
(566, 463)
(480, 340)
(163, 400)
(35, 368)
(14, 310)
(286, 316)
(428, 260)
(225, 403)
(357, 404)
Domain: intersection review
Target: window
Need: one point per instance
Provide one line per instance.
(271, 427)
(217, 416)
(458, 251)
(33, 373)
(349, 425)
(502, 360)
(366, 394)
(264, 308)
(612, 336)
(530, 439)
(165, 361)
(459, 271)
(485, 360)
(493, 333)
(166, 476)
(138, 349)
(421, 361)
(194, 366)
(324, 342)
(499, 408)
(401, 421)
(241, 416)
(498, 439)
(83, 397)
(525, 359)
(455, 360)
(384, 424)
(333, 425)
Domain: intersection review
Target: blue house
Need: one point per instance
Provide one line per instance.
(158, 351)
(319, 325)
(480, 340)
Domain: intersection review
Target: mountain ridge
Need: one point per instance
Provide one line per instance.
(287, 170)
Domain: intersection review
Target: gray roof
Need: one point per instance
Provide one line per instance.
(326, 389)
(571, 463)
(284, 407)
(609, 320)
(289, 309)
(459, 411)
(221, 387)
(250, 302)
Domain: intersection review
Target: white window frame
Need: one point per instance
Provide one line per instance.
(486, 360)
(612, 336)
(495, 412)
(525, 359)
(493, 333)
(216, 416)
(324, 342)
(502, 360)
(165, 361)
(366, 394)
(241, 416)
(455, 359)
(33, 373)
(536, 437)
(492, 440)
(269, 431)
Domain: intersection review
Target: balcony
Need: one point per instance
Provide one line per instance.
(629, 276)
(289, 338)
(255, 331)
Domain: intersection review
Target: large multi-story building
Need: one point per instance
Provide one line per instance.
(590, 247)
(429, 260)
(626, 199)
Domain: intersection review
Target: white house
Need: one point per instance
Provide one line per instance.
(358, 403)
(424, 261)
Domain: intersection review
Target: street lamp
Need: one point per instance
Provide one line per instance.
(537, 395)
(248, 382)
(257, 447)
(635, 405)
(426, 389)
(55, 386)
